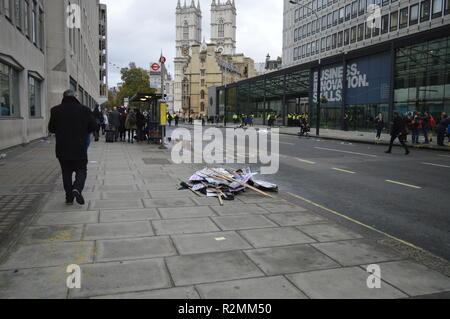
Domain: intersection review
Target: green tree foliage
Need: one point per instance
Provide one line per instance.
(112, 99)
(135, 80)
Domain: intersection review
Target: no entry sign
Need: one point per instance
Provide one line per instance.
(155, 67)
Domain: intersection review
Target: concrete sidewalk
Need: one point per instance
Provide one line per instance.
(139, 237)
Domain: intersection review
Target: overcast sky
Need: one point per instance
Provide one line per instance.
(139, 29)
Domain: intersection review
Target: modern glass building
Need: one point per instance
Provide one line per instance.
(372, 56)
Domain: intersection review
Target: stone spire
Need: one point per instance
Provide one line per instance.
(179, 5)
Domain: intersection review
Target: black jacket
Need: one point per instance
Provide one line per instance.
(71, 122)
(114, 119)
(398, 126)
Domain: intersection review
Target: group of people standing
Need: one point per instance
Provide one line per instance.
(125, 124)
(244, 119)
(296, 120)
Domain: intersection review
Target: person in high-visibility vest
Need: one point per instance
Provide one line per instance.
(289, 119)
(235, 118)
(269, 120)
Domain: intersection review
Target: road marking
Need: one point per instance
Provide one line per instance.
(305, 161)
(286, 143)
(356, 222)
(334, 150)
(444, 155)
(438, 165)
(403, 184)
(343, 170)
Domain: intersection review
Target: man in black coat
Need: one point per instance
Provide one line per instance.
(398, 130)
(114, 120)
(72, 123)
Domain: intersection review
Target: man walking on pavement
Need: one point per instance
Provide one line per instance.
(398, 130)
(72, 123)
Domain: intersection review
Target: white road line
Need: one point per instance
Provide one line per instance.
(438, 165)
(403, 184)
(444, 155)
(334, 150)
(305, 161)
(343, 170)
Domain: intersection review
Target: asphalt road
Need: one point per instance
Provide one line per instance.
(405, 196)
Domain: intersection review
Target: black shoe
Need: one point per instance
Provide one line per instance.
(78, 197)
(407, 152)
(388, 152)
(69, 202)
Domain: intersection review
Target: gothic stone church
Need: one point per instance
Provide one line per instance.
(200, 65)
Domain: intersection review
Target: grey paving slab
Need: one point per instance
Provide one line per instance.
(290, 259)
(186, 212)
(113, 216)
(87, 196)
(59, 205)
(184, 226)
(139, 248)
(46, 255)
(171, 194)
(239, 209)
(171, 293)
(159, 187)
(38, 283)
(211, 267)
(357, 252)
(170, 202)
(116, 204)
(116, 188)
(252, 198)
(119, 277)
(258, 288)
(282, 207)
(51, 233)
(328, 232)
(209, 242)
(296, 218)
(118, 230)
(68, 218)
(214, 201)
(413, 278)
(342, 283)
(272, 237)
(125, 195)
(243, 222)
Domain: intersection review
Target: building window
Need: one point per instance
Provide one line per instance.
(341, 14)
(414, 14)
(334, 41)
(385, 24)
(361, 32)
(202, 107)
(348, 12)
(404, 18)
(18, 13)
(328, 42)
(361, 7)
(447, 7)
(353, 35)
(324, 22)
(33, 22)
(7, 9)
(376, 31)
(202, 82)
(185, 31)
(308, 49)
(394, 20)
(319, 5)
(335, 17)
(221, 29)
(322, 45)
(26, 19)
(354, 9)
(313, 27)
(9, 91)
(329, 20)
(437, 9)
(202, 94)
(308, 29)
(340, 39)
(368, 31)
(34, 96)
(317, 46)
(40, 30)
(425, 10)
(202, 72)
(295, 54)
(346, 37)
(385, 2)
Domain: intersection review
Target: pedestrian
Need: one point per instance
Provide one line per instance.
(425, 121)
(169, 118)
(398, 130)
(442, 128)
(130, 125)
(114, 122)
(105, 122)
(122, 129)
(432, 124)
(72, 123)
(98, 120)
(415, 126)
(177, 119)
(346, 122)
(140, 123)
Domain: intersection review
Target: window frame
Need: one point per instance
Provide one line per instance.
(422, 17)
(403, 24)
(35, 85)
(12, 79)
(360, 32)
(436, 14)
(411, 8)
(393, 27)
(385, 24)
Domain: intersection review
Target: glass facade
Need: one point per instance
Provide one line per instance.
(9, 91)
(422, 77)
(34, 96)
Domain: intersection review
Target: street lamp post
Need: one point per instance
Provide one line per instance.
(319, 72)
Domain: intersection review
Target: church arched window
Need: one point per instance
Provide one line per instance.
(221, 28)
(185, 31)
(202, 94)
(202, 107)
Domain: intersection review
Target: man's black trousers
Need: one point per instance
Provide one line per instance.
(68, 168)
